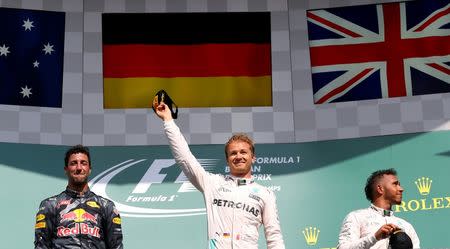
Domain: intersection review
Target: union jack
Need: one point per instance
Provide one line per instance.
(380, 51)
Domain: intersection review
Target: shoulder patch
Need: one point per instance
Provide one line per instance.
(39, 225)
(117, 220)
(93, 204)
(40, 217)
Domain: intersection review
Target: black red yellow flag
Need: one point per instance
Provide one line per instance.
(200, 59)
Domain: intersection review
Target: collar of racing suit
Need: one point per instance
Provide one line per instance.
(381, 211)
(240, 181)
(75, 194)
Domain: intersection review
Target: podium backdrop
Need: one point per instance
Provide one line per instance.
(316, 185)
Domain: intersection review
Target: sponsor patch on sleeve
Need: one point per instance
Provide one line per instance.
(39, 225)
(117, 220)
(40, 217)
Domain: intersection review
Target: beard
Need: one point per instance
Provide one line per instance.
(398, 202)
(79, 180)
(79, 183)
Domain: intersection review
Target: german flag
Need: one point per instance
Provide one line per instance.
(199, 59)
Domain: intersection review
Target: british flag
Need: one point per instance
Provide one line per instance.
(380, 51)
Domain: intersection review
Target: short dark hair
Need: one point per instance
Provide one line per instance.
(75, 150)
(373, 180)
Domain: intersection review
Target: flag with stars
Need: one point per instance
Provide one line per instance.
(31, 57)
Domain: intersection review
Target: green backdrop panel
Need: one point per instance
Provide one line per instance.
(316, 185)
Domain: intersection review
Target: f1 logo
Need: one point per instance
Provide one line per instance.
(154, 175)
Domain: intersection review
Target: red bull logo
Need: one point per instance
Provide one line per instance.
(79, 215)
(89, 217)
(78, 228)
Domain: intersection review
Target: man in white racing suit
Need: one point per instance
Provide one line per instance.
(372, 227)
(236, 206)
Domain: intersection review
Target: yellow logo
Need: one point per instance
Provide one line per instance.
(426, 202)
(93, 204)
(423, 185)
(39, 225)
(40, 217)
(117, 220)
(311, 235)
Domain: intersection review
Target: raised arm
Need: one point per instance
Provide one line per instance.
(180, 149)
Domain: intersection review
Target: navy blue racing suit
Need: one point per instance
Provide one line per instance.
(70, 220)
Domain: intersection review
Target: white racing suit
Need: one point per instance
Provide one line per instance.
(359, 227)
(235, 207)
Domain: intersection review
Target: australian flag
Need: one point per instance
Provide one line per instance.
(380, 51)
(31, 57)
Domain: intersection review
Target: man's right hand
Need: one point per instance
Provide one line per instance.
(163, 111)
(385, 231)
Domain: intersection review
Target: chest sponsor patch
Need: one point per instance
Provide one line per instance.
(254, 197)
(236, 205)
(63, 203)
(92, 204)
(78, 228)
(223, 189)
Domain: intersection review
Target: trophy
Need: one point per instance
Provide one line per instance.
(162, 96)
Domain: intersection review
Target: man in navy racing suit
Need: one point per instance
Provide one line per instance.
(77, 217)
(236, 206)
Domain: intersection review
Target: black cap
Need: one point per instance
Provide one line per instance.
(400, 240)
(162, 96)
